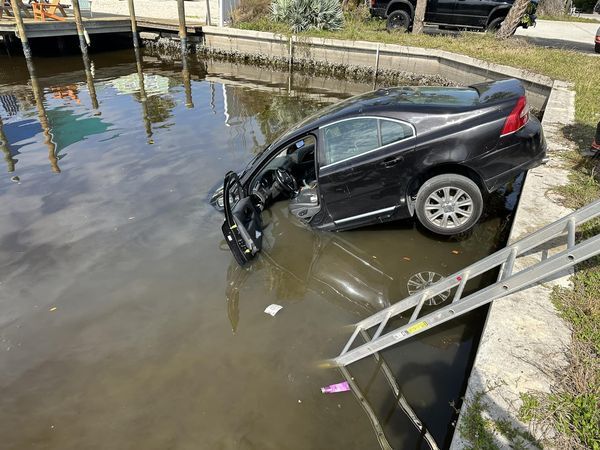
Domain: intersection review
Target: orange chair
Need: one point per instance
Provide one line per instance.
(42, 10)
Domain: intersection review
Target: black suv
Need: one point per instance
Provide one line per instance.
(449, 14)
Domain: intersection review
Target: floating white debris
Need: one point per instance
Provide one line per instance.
(273, 309)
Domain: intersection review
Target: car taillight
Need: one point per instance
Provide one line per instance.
(598, 39)
(373, 3)
(517, 118)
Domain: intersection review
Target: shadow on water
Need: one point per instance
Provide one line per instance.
(123, 317)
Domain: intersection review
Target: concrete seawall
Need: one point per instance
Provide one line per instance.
(458, 68)
(524, 341)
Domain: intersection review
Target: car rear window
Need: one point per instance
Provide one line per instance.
(437, 95)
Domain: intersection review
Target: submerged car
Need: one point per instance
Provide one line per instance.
(433, 152)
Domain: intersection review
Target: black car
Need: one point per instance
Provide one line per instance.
(597, 41)
(460, 14)
(433, 152)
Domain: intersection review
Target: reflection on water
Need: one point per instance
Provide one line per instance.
(124, 320)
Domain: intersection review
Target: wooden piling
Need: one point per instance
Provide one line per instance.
(80, 29)
(182, 27)
(143, 96)
(83, 45)
(21, 30)
(134, 31)
(208, 21)
(38, 95)
(376, 68)
(10, 161)
(187, 83)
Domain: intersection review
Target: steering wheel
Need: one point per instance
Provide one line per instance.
(286, 181)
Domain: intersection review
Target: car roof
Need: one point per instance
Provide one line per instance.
(408, 101)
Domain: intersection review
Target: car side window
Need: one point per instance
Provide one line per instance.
(350, 138)
(394, 131)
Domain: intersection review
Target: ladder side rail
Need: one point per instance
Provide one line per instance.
(557, 227)
(523, 245)
(524, 278)
(451, 281)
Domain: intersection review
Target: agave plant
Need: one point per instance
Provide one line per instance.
(302, 15)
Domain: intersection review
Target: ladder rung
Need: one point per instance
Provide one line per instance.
(382, 326)
(510, 263)
(571, 233)
(351, 340)
(463, 281)
(417, 310)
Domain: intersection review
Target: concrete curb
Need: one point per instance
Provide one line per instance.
(525, 342)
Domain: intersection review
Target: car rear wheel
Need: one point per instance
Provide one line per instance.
(494, 24)
(398, 21)
(449, 204)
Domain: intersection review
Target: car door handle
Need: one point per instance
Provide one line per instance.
(391, 162)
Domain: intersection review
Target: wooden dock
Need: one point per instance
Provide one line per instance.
(104, 24)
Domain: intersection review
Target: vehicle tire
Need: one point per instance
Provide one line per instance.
(495, 24)
(398, 21)
(597, 48)
(449, 204)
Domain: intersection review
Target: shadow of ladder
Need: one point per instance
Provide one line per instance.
(400, 401)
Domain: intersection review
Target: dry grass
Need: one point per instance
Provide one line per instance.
(250, 10)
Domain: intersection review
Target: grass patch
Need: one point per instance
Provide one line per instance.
(573, 408)
(480, 432)
(581, 69)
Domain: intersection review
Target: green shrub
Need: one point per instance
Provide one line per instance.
(304, 15)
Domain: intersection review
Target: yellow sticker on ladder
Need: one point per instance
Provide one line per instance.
(416, 327)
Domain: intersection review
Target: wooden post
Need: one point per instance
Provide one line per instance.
(80, 29)
(38, 95)
(143, 96)
(376, 68)
(134, 31)
(182, 27)
(187, 83)
(10, 161)
(208, 21)
(21, 30)
(83, 45)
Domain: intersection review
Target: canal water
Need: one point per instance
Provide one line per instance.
(125, 322)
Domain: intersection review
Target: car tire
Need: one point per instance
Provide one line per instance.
(597, 48)
(495, 24)
(449, 204)
(398, 21)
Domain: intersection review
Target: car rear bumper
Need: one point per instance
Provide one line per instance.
(520, 151)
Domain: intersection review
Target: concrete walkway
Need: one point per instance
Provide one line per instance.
(571, 35)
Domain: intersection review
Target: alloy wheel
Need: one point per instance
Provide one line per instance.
(448, 207)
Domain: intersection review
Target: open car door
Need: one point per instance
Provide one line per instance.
(243, 225)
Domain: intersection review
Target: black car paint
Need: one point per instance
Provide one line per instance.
(380, 185)
(453, 13)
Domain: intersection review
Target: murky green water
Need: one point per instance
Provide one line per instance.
(124, 321)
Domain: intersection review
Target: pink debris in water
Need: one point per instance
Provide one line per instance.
(338, 387)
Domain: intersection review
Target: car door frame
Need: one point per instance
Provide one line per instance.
(340, 171)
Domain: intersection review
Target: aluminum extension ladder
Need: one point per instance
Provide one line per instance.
(507, 283)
